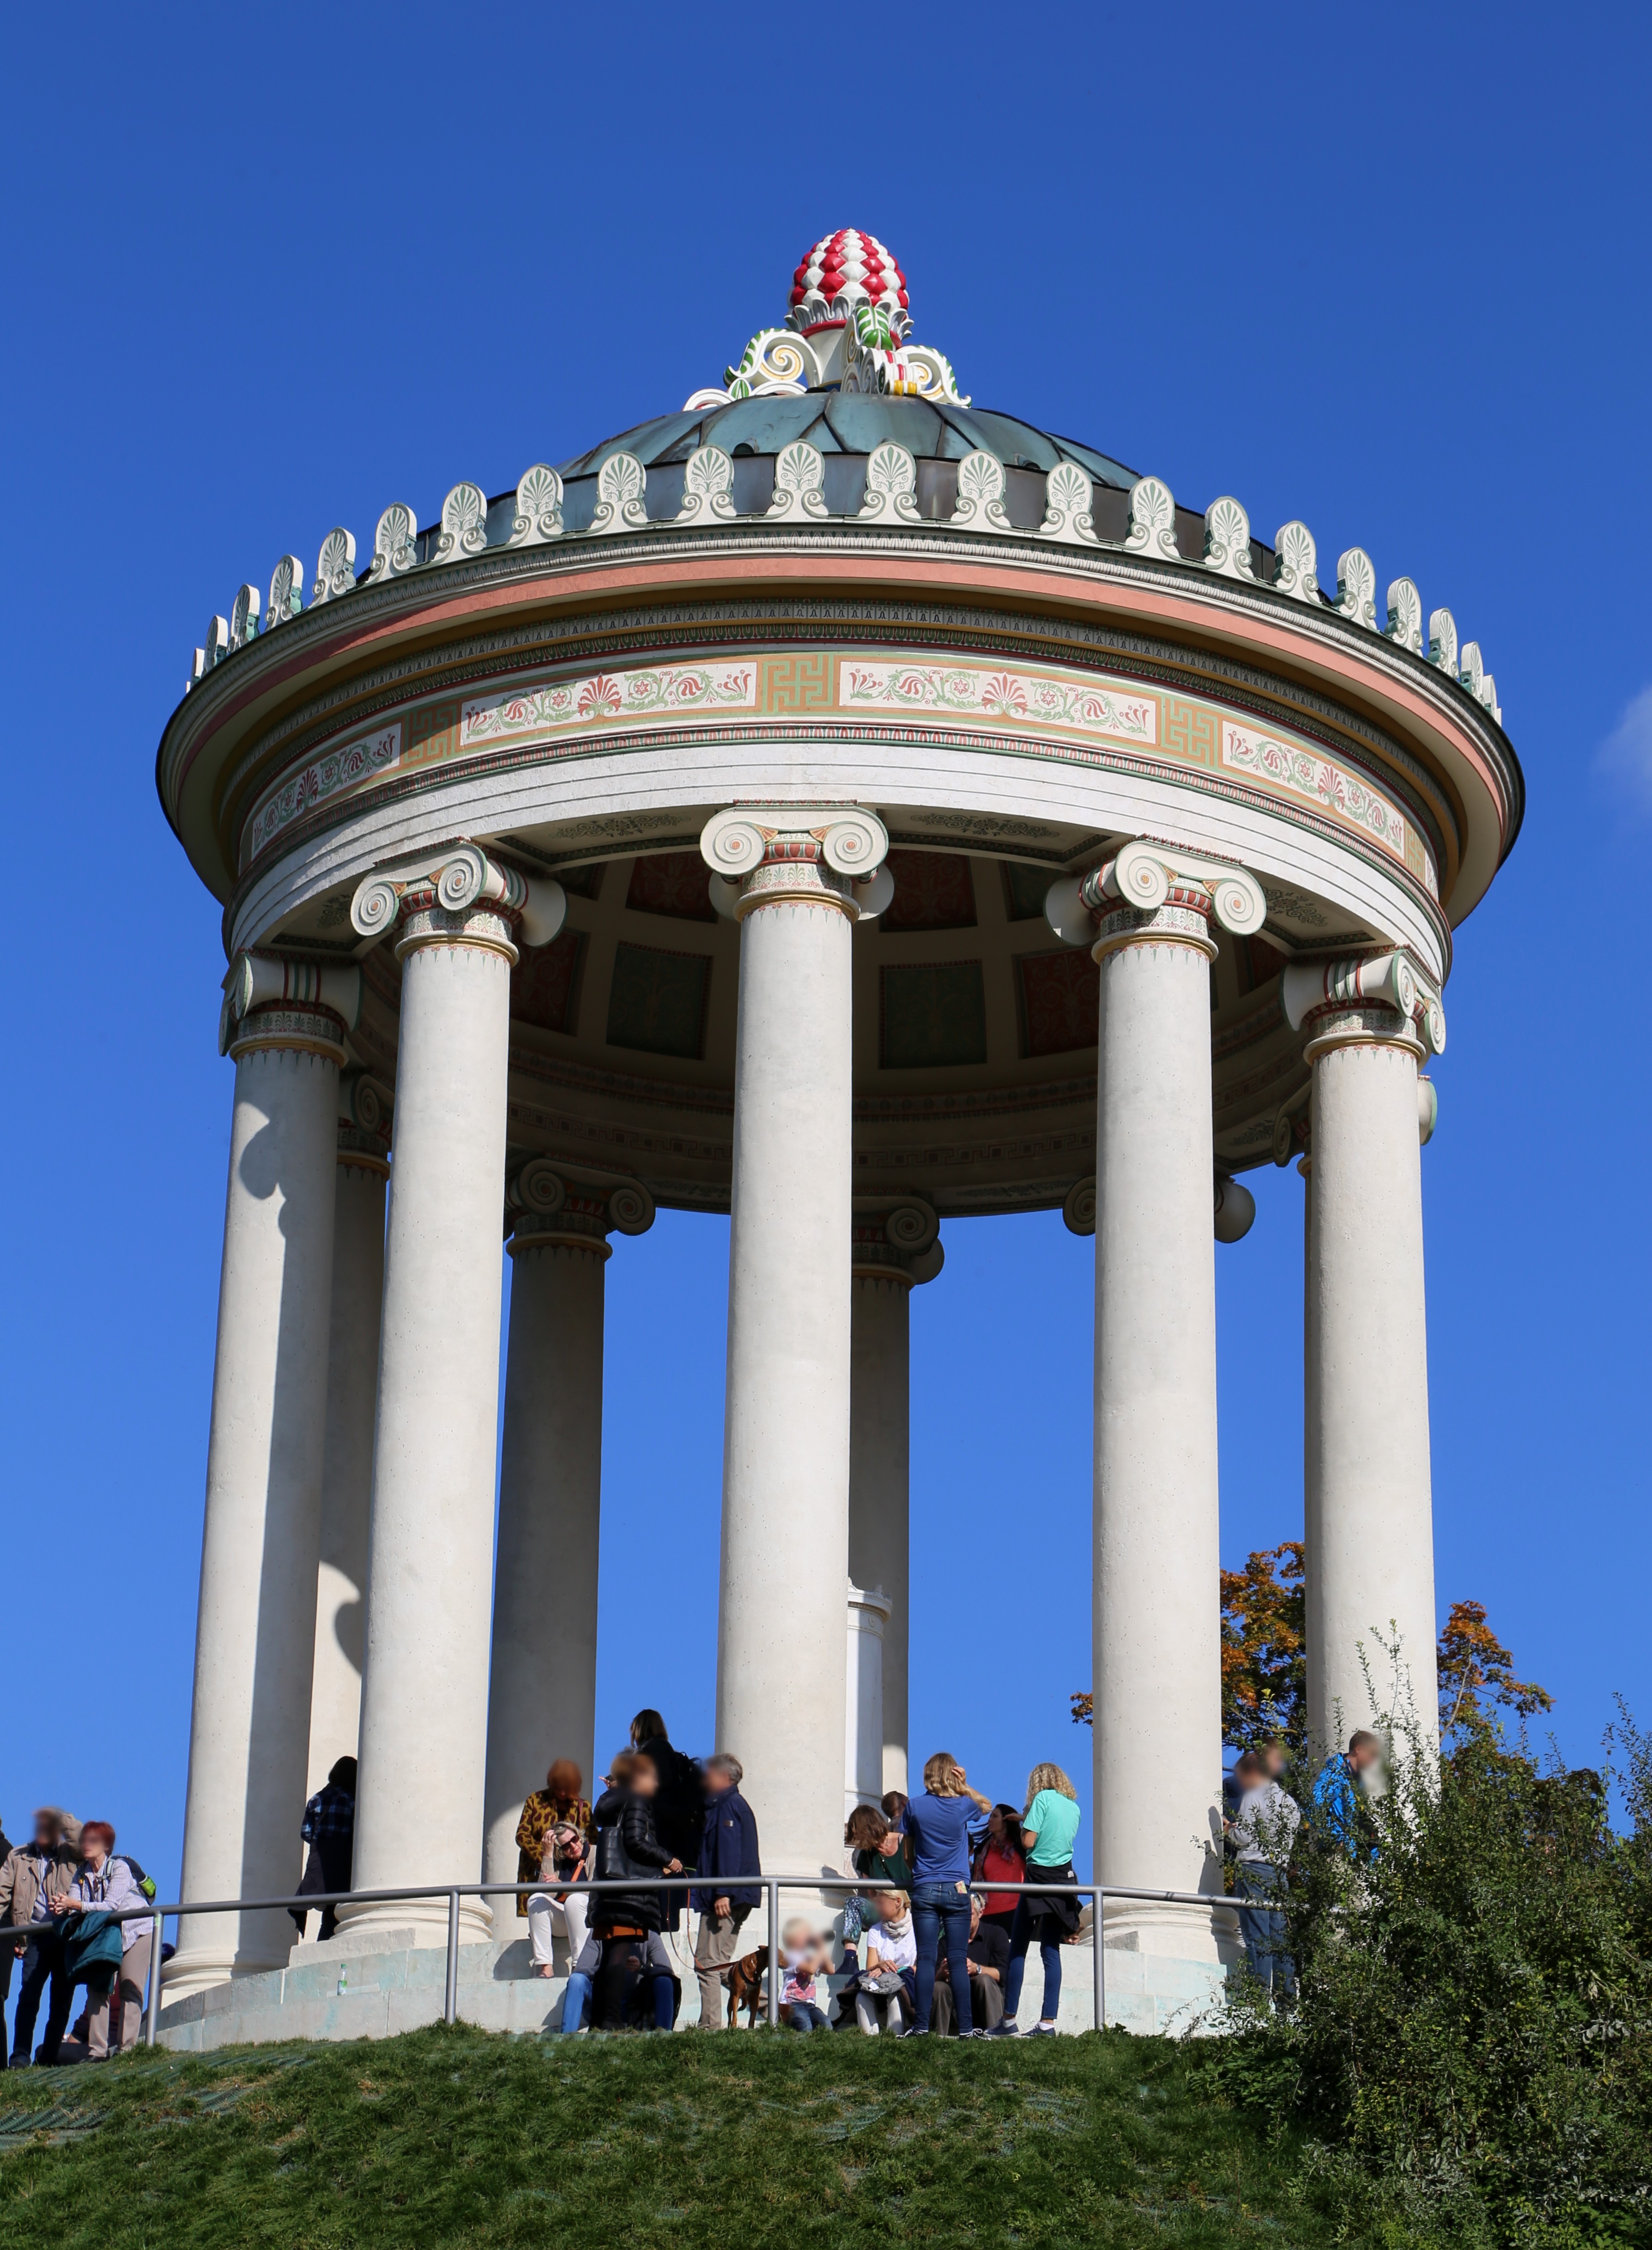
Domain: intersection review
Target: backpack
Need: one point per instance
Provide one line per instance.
(145, 1883)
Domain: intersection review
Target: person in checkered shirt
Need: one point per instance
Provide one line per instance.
(329, 1830)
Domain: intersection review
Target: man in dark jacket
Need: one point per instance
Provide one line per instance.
(727, 1850)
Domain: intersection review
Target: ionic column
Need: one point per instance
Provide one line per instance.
(1370, 1508)
(284, 1023)
(863, 1730)
(1157, 1681)
(786, 1490)
(423, 1731)
(352, 1384)
(895, 1246)
(541, 1696)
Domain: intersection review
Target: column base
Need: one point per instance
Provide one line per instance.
(414, 1924)
(1180, 1932)
(198, 1968)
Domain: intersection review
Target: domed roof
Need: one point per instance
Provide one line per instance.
(841, 269)
(849, 422)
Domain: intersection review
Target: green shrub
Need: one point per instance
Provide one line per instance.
(1471, 2046)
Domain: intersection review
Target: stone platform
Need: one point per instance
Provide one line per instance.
(399, 1988)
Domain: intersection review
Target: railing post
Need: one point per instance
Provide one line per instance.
(774, 1951)
(450, 2011)
(152, 1999)
(1098, 1935)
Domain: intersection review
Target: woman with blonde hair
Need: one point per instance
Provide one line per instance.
(1048, 1827)
(940, 1829)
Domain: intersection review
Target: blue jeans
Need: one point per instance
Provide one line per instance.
(577, 1999)
(43, 1959)
(1264, 1934)
(934, 1904)
(805, 2017)
(1021, 1938)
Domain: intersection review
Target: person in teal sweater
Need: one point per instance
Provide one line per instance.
(1048, 1827)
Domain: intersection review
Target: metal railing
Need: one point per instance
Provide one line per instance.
(312, 1902)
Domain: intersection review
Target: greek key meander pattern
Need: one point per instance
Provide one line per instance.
(1058, 707)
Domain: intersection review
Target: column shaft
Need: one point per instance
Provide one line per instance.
(880, 1463)
(541, 1701)
(1157, 1746)
(780, 1644)
(347, 1467)
(424, 1685)
(1369, 1519)
(254, 1641)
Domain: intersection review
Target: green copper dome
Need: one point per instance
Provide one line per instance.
(849, 422)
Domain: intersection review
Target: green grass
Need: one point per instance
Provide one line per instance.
(461, 2137)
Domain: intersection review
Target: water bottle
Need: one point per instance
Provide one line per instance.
(343, 1980)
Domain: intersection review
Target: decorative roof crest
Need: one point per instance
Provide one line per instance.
(847, 330)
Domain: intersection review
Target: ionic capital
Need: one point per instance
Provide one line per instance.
(766, 855)
(363, 1123)
(458, 895)
(896, 1242)
(1379, 999)
(1151, 894)
(270, 1001)
(552, 1209)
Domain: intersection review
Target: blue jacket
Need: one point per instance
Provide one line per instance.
(728, 1848)
(1337, 1808)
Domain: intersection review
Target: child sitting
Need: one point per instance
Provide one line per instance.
(806, 1956)
(885, 1983)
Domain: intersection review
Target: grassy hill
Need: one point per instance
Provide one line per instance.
(463, 2137)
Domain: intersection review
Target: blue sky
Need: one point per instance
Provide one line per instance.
(1383, 269)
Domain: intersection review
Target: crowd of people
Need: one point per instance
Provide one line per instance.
(919, 1945)
(58, 1896)
(934, 1938)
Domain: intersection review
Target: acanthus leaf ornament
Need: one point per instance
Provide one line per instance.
(891, 486)
(243, 618)
(1443, 641)
(464, 531)
(1357, 587)
(395, 544)
(286, 592)
(217, 642)
(775, 363)
(1471, 670)
(707, 487)
(1296, 562)
(1152, 521)
(622, 487)
(1405, 615)
(335, 567)
(979, 504)
(538, 517)
(1228, 539)
(799, 476)
(1068, 503)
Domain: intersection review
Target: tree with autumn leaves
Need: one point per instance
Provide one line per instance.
(1264, 1685)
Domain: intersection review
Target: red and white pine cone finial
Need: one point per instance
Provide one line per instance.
(844, 269)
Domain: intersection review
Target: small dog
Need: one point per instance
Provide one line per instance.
(745, 1988)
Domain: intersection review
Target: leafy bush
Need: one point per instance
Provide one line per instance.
(1471, 2047)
